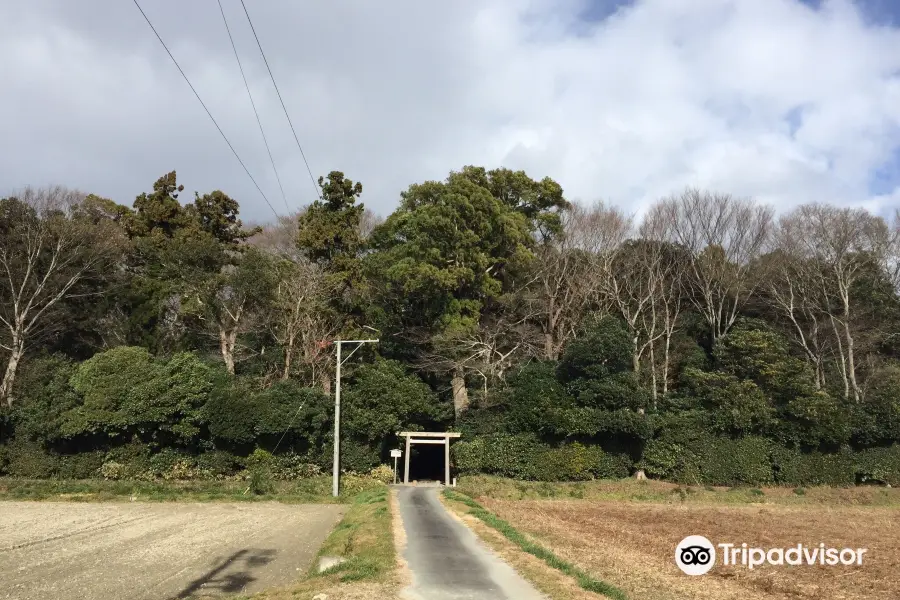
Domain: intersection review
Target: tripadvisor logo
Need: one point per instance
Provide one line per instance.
(696, 555)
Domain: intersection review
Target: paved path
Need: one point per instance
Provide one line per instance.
(144, 551)
(447, 561)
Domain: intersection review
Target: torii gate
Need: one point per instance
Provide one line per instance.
(429, 437)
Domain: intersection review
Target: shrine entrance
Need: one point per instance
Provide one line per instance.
(428, 437)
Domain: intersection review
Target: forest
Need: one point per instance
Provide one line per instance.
(709, 339)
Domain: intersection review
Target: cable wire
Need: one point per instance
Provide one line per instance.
(277, 91)
(253, 104)
(180, 70)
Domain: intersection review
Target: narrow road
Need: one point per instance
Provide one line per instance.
(447, 560)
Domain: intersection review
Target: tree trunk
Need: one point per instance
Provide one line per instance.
(843, 363)
(665, 369)
(460, 393)
(6, 387)
(226, 345)
(635, 355)
(549, 346)
(288, 355)
(851, 363)
(654, 391)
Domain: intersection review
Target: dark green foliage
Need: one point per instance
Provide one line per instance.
(522, 456)
(381, 399)
(794, 468)
(879, 465)
(733, 405)
(193, 344)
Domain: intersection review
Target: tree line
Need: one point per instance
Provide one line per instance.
(577, 336)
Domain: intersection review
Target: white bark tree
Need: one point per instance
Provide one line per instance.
(835, 246)
(48, 250)
(725, 236)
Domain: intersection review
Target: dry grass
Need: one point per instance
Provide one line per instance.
(661, 492)
(631, 544)
(549, 581)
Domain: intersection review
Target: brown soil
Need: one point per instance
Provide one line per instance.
(632, 546)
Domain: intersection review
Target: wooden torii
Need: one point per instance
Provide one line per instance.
(428, 437)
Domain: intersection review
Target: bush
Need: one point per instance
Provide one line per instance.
(382, 473)
(743, 461)
(710, 460)
(113, 471)
(85, 465)
(353, 484)
(259, 466)
(219, 463)
(30, 461)
(794, 468)
(4, 459)
(881, 465)
(286, 467)
(613, 466)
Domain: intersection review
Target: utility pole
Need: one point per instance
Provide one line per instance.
(336, 467)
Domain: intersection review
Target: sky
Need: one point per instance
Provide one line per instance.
(785, 101)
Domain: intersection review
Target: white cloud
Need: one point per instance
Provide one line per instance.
(768, 98)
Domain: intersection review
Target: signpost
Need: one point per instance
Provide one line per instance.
(395, 454)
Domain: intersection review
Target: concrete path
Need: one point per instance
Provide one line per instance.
(164, 551)
(447, 560)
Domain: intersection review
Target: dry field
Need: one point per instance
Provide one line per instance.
(631, 545)
(141, 551)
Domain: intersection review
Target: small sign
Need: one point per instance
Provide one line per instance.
(396, 453)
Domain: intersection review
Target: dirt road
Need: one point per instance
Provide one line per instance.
(59, 551)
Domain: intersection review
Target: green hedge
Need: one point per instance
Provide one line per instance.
(879, 465)
(524, 457)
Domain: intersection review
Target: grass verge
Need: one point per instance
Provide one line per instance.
(585, 580)
(312, 490)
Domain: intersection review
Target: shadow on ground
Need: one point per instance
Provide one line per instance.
(230, 575)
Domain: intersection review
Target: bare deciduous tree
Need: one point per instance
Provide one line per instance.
(48, 249)
(829, 249)
(725, 236)
(571, 271)
(301, 320)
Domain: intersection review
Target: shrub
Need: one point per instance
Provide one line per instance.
(572, 462)
(113, 471)
(259, 466)
(880, 465)
(799, 469)
(4, 459)
(353, 484)
(219, 463)
(468, 456)
(30, 461)
(287, 467)
(85, 465)
(710, 460)
(743, 461)
(382, 473)
(613, 466)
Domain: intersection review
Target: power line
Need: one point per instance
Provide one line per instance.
(180, 70)
(277, 91)
(253, 104)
